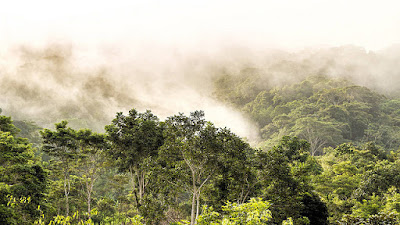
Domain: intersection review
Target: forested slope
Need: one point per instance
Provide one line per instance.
(324, 111)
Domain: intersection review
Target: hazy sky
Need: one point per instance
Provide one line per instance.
(189, 24)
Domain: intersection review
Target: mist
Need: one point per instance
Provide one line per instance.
(62, 81)
(86, 61)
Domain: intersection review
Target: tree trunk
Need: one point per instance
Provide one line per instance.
(141, 184)
(140, 177)
(197, 205)
(133, 175)
(192, 218)
(67, 188)
(88, 203)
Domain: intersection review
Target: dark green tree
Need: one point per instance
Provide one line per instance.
(236, 180)
(284, 172)
(135, 141)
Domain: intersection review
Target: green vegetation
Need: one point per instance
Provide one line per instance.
(329, 155)
(325, 112)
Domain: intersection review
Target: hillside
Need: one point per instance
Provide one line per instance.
(324, 111)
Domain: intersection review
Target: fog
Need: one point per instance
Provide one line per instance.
(62, 82)
(86, 61)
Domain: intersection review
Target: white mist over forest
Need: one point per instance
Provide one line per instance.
(85, 61)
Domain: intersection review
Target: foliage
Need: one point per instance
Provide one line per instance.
(192, 153)
(21, 176)
(63, 145)
(135, 140)
(65, 220)
(284, 172)
(147, 171)
(376, 219)
(325, 112)
(253, 212)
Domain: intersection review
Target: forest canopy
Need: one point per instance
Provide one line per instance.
(328, 155)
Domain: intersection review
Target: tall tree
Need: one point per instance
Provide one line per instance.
(318, 133)
(236, 180)
(62, 144)
(135, 140)
(92, 161)
(192, 153)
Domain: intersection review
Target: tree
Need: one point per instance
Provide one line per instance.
(91, 160)
(22, 177)
(135, 140)
(318, 133)
(62, 145)
(191, 152)
(236, 180)
(6, 125)
(29, 130)
(378, 180)
(283, 172)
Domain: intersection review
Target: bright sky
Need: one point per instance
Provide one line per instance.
(199, 23)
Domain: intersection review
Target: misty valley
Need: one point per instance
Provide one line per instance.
(285, 138)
